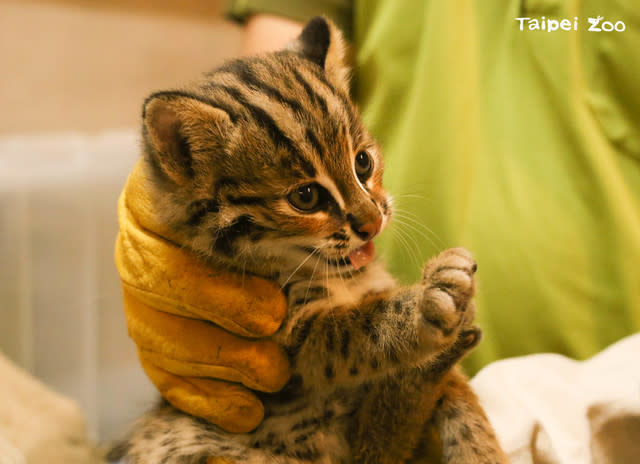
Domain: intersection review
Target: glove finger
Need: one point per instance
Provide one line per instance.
(190, 347)
(230, 406)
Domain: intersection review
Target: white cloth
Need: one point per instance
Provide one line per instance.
(548, 409)
(38, 426)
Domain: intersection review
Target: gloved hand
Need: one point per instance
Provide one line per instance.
(194, 325)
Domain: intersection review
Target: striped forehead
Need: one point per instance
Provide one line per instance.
(290, 100)
(286, 103)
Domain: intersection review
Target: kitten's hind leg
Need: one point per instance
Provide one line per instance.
(465, 432)
(390, 428)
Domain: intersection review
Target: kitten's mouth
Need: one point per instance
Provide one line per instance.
(362, 256)
(357, 259)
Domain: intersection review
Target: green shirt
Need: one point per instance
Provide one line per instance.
(522, 146)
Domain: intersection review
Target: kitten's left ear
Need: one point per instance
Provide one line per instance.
(322, 43)
(179, 129)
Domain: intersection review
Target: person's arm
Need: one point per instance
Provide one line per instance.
(265, 32)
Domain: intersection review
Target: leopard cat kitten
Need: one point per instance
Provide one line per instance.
(264, 167)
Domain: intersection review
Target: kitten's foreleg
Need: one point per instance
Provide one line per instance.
(388, 331)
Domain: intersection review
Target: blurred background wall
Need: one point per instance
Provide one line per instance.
(87, 64)
(73, 74)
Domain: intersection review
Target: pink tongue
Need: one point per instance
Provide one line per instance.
(362, 256)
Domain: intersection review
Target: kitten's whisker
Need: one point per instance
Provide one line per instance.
(408, 216)
(407, 213)
(397, 233)
(350, 272)
(401, 223)
(341, 279)
(411, 253)
(398, 228)
(313, 273)
(299, 266)
(326, 277)
(402, 238)
(409, 195)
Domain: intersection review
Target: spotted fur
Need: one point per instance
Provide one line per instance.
(374, 378)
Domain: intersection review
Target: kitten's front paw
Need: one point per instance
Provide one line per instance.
(449, 286)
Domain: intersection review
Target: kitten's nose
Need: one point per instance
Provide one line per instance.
(368, 230)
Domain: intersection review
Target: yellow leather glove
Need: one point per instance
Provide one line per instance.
(197, 329)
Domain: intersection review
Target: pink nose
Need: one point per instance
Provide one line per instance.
(370, 229)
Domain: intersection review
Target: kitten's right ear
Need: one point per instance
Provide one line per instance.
(321, 42)
(177, 127)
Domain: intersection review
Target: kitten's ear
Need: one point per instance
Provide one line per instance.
(177, 128)
(322, 43)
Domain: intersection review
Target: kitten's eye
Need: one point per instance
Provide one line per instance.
(307, 197)
(364, 165)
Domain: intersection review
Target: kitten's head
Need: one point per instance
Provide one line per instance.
(265, 165)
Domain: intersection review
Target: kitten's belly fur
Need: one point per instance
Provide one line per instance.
(299, 426)
(335, 292)
(315, 418)
(316, 431)
(312, 425)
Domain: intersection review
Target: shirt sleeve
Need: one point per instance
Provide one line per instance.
(339, 11)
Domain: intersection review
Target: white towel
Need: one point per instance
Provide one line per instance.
(39, 426)
(548, 409)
